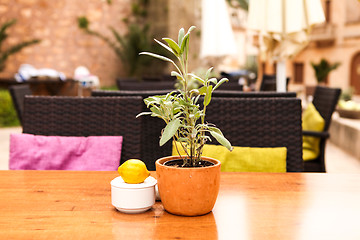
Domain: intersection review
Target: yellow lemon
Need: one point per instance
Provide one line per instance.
(133, 171)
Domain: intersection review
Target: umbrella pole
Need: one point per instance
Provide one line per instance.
(281, 76)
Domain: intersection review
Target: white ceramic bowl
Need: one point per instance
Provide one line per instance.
(133, 198)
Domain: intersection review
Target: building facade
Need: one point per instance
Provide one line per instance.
(336, 40)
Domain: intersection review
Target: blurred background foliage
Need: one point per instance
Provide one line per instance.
(138, 38)
(323, 69)
(8, 116)
(244, 4)
(5, 53)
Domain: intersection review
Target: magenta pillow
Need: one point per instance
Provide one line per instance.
(29, 151)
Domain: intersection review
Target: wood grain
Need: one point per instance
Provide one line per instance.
(77, 205)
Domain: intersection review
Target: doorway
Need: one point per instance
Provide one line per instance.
(355, 73)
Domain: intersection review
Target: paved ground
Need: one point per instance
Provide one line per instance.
(337, 160)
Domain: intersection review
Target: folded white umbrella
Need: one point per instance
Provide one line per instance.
(285, 26)
(217, 37)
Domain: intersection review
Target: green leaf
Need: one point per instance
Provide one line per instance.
(164, 46)
(152, 100)
(177, 75)
(220, 82)
(215, 129)
(198, 114)
(207, 98)
(222, 140)
(190, 29)
(185, 41)
(181, 36)
(170, 131)
(182, 139)
(197, 98)
(143, 113)
(178, 114)
(156, 111)
(203, 90)
(168, 108)
(157, 56)
(194, 91)
(173, 45)
(197, 78)
(208, 73)
(213, 80)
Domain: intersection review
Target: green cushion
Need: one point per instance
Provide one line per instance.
(246, 159)
(311, 121)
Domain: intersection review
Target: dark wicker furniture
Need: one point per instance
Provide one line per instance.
(145, 85)
(18, 93)
(256, 122)
(261, 122)
(268, 83)
(231, 93)
(142, 93)
(75, 116)
(325, 100)
(231, 86)
(150, 127)
(217, 93)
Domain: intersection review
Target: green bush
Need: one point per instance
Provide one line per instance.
(8, 116)
(109, 88)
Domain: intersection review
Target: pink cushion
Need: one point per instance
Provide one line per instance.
(29, 151)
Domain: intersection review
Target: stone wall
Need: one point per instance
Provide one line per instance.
(344, 45)
(64, 46)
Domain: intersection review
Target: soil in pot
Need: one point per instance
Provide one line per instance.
(180, 163)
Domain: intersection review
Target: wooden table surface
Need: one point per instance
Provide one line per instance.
(77, 205)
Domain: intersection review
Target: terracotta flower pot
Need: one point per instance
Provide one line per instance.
(188, 191)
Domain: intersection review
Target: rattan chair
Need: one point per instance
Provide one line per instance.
(256, 122)
(231, 86)
(90, 116)
(217, 93)
(151, 127)
(235, 94)
(268, 83)
(122, 93)
(261, 122)
(18, 93)
(325, 100)
(145, 85)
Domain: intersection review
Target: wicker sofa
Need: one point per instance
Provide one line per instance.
(256, 120)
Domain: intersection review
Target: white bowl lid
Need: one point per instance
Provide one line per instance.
(119, 183)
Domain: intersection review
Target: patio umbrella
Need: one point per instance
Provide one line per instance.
(285, 26)
(217, 37)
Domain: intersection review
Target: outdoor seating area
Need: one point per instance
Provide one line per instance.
(268, 121)
(223, 119)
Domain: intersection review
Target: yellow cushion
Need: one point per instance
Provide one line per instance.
(246, 159)
(311, 121)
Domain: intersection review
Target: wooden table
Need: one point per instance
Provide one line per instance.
(77, 205)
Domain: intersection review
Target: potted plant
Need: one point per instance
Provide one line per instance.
(188, 184)
(322, 70)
